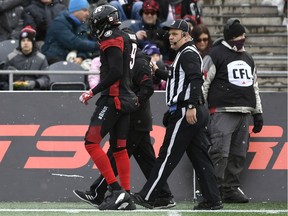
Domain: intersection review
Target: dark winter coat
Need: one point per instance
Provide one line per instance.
(40, 16)
(65, 35)
(33, 61)
(11, 20)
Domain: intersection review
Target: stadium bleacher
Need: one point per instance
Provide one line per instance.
(266, 36)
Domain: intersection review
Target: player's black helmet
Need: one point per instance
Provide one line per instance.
(102, 19)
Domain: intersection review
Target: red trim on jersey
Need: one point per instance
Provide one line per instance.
(117, 103)
(145, 77)
(116, 42)
(114, 90)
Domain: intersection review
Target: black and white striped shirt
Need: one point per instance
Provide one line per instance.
(185, 79)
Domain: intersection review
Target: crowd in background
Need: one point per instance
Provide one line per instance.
(61, 32)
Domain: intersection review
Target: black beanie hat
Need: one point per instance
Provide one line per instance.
(27, 32)
(233, 29)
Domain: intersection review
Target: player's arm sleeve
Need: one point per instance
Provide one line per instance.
(115, 62)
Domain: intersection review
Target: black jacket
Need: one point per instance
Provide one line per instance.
(40, 16)
(142, 85)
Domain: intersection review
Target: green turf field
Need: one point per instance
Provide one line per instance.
(181, 209)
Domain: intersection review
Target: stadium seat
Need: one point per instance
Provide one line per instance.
(6, 47)
(66, 81)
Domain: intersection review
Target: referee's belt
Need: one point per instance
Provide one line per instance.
(179, 105)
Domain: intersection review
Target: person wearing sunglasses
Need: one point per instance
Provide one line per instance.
(231, 90)
(202, 39)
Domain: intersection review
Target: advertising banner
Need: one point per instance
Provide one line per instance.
(42, 154)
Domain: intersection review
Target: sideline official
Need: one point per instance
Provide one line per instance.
(185, 122)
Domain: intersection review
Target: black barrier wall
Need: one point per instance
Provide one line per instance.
(42, 157)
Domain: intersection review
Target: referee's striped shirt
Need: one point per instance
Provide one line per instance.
(185, 77)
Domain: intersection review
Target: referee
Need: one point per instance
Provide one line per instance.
(185, 123)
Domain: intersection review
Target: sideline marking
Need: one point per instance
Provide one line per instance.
(141, 210)
(69, 176)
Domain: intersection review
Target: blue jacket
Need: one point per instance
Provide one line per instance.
(65, 35)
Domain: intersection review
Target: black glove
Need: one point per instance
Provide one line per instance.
(258, 123)
(165, 119)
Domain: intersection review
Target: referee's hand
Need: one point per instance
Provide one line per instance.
(191, 116)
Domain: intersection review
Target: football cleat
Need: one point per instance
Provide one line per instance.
(89, 197)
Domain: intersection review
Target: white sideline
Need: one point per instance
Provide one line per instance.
(142, 210)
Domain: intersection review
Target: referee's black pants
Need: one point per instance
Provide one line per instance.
(179, 138)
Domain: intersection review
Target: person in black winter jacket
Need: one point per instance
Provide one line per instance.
(40, 14)
(11, 17)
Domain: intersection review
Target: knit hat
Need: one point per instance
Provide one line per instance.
(149, 5)
(76, 5)
(233, 29)
(27, 32)
(151, 49)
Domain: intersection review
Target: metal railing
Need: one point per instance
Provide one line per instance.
(39, 72)
(261, 74)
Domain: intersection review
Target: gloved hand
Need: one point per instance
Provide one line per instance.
(86, 96)
(258, 122)
(24, 85)
(165, 120)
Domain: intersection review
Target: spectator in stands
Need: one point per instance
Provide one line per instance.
(148, 30)
(27, 57)
(191, 20)
(176, 9)
(68, 32)
(96, 3)
(154, 52)
(231, 90)
(202, 39)
(11, 16)
(128, 9)
(40, 13)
